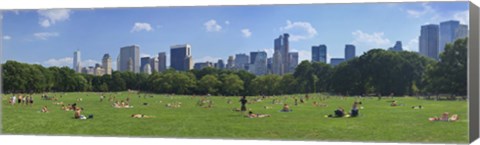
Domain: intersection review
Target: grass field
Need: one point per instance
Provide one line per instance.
(378, 121)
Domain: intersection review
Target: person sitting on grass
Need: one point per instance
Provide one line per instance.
(252, 115)
(445, 117)
(286, 108)
(141, 116)
(44, 109)
(78, 114)
(354, 112)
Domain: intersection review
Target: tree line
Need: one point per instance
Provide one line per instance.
(377, 71)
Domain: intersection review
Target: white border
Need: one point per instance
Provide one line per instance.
(73, 140)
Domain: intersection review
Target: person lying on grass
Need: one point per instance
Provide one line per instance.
(141, 116)
(340, 112)
(253, 115)
(286, 108)
(417, 107)
(445, 117)
(44, 109)
(122, 104)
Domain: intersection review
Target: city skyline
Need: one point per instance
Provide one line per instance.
(214, 36)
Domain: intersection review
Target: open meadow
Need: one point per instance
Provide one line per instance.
(378, 121)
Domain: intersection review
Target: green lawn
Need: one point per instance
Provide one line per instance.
(378, 121)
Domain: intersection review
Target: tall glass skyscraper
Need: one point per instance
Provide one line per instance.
(130, 58)
(319, 53)
(293, 57)
(107, 64)
(76, 62)
(447, 33)
(144, 61)
(241, 61)
(181, 57)
(349, 51)
(281, 61)
(429, 41)
(162, 61)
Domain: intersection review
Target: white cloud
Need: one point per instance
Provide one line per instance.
(227, 22)
(139, 26)
(375, 40)
(246, 33)
(412, 45)
(212, 26)
(269, 51)
(299, 30)
(462, 16)
(207, 58)
(45, 35)
(6, 37)
(145, 55)
(50, 17)
(426, 9)
(67, 61)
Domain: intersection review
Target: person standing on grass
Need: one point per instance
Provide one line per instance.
(243, 101)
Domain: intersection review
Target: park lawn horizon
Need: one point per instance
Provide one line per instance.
(378, 121)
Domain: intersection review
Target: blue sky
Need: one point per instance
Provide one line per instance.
(49, 37)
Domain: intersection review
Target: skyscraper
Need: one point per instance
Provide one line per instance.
(107, 64)
(162, 61)
(220, 64)
(336, 61)
(349, 52)
(201, 65)
(154, 64)
(181, 57)
(259, 67)
(76, 62)
(252, 57)
(293, 61)
(143, 62)
(118, 62)
(230, 62)
(130, 53)
(428, 41)
(447, 33)
(280, 56)
(461, 32)
(397, 46)
(319, 53)
(147, 69)
(241, 61)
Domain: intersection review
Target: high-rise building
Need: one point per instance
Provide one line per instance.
(428, 41)
(201, 65)
(349, 52)
(293, 61)
(461, 32)
(241, 61)
(147, 69)
(230, 62)
(118, 62)
(107, 64)
(181, 57)
(447, 33)
(336, 61)
(259, 67)
(162, 61)
(252, 57)
(397, 46)
(281, 61)
(143, 62)
(270, 65)
(319, 53)
(154, 64)
(98, 70)
(220, 64)
(130, 53)
(76, 62)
